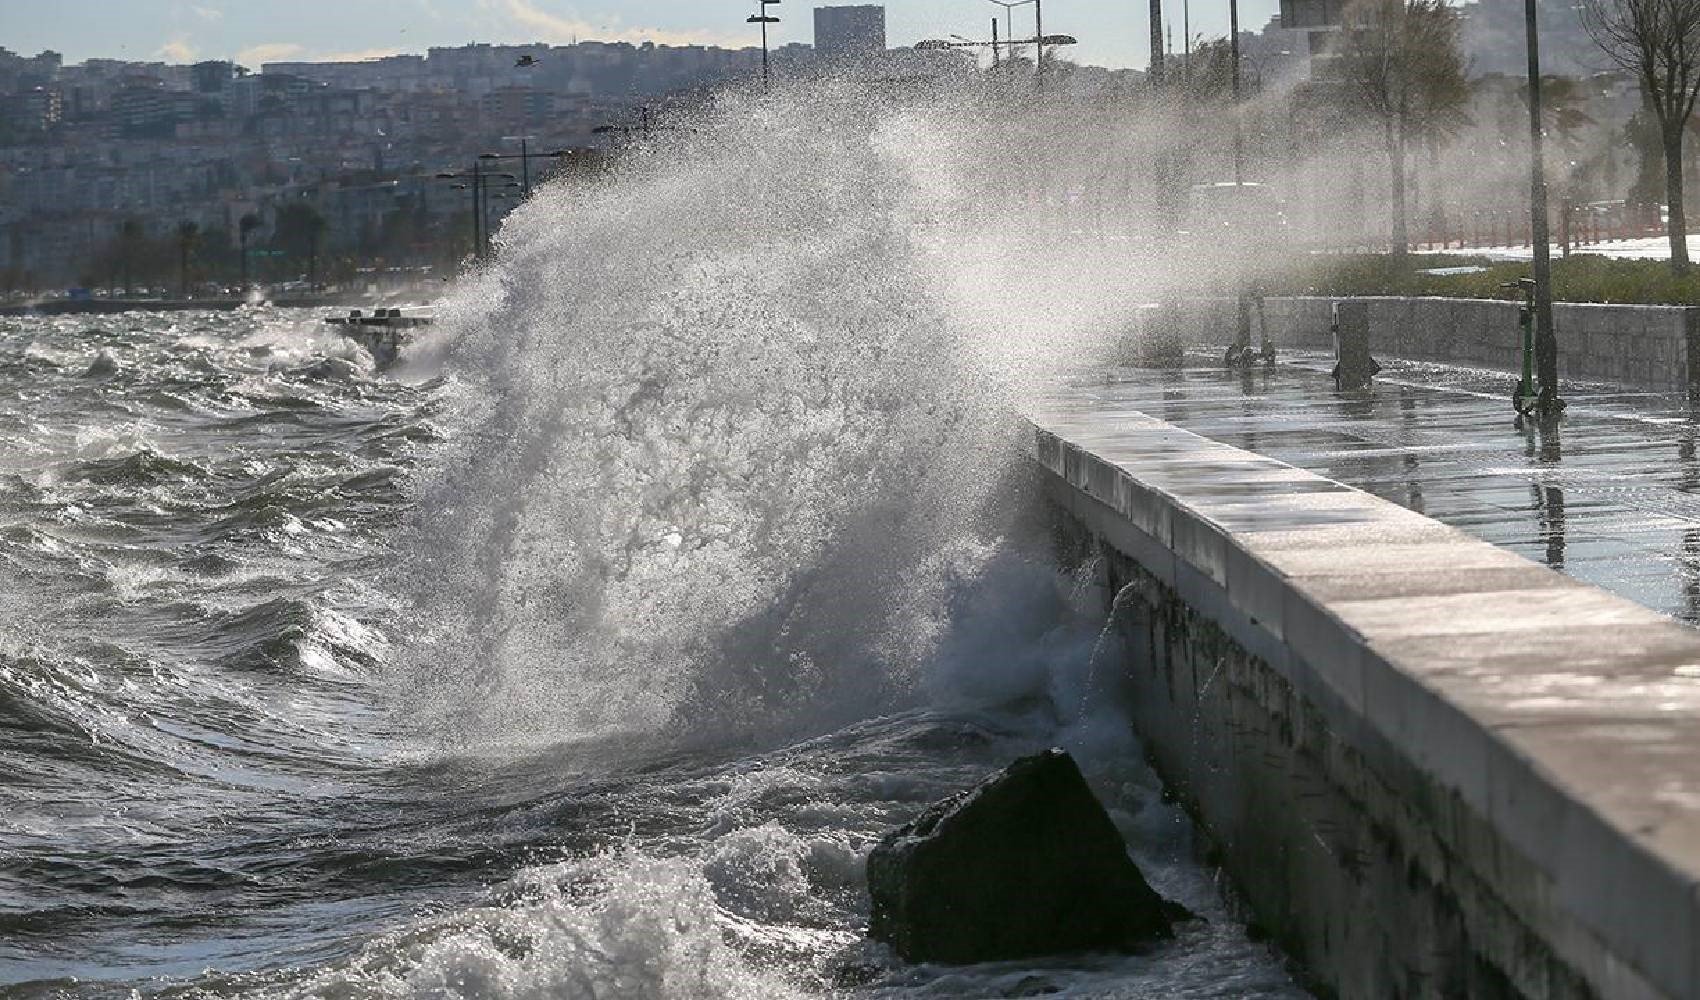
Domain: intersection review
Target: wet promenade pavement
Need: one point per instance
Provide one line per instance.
(1612, 497)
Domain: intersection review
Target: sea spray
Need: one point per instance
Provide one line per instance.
(728, 559)
(220, 795)
(720, 421)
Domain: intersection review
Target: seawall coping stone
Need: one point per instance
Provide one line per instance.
(1560, 714)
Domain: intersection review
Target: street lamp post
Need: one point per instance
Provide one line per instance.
(525, 156)
(525, 164)
(1040, 40)
(764, 19)
(1234, 84)
(502, 192)
(1186, 40)
(1156, 68)
(644, 127)
(1546, 344)
(472, 183)
(477, 183)
(1008, 22)
(1038, 45)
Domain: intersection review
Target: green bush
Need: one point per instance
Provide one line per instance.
(1578, 278)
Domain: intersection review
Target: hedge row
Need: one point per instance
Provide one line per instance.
(1578, 278)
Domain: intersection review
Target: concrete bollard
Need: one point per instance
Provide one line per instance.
(1353, 366)
(1159, 337)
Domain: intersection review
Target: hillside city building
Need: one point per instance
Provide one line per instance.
(856, 32)
(89, 147)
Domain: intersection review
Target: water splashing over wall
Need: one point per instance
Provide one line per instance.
(743, 404)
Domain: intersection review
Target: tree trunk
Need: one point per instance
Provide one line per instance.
(1676, 225)
(1401, 241)
(1437, 204)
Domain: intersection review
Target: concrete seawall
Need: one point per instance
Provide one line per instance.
(1656, 347)
(1434, 768)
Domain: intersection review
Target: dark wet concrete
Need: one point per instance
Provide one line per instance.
(1612, 497)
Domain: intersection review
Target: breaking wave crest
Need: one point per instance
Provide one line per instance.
(725, 435)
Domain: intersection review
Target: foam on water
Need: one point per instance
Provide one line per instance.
(721, 566)
(740, 407)
(734, 469)
(753, 884)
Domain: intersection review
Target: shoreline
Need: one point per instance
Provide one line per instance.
(107, 307)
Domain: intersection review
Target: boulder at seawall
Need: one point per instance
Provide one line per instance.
(1026, 863)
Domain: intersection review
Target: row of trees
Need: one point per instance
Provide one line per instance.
(1399, 62)
(1658, 42)
(134, 256)
(294, 244)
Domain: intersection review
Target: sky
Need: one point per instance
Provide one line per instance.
(1111, 32)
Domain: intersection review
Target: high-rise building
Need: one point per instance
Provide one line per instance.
(212, 77)
(35, 110)
(856, 32)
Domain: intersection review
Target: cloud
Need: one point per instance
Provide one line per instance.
(178, 50)
(268, 52)
(555, 28)
(207, 13)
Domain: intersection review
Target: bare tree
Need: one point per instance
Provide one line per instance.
(188, 233)
(1399, 61)
(130, 251)
(244, 228)
(1657, 41)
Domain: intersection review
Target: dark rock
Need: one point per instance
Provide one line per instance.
(1026, 863)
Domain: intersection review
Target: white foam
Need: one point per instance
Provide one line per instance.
(654, 930)
(717, 426)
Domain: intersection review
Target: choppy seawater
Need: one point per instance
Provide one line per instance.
(213, 781)
(586, 653)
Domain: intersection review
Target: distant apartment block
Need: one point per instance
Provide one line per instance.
(1303, 14)
(34, 110)
(848, 33)
(88, 147)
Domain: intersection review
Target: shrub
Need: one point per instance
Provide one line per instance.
(1579, 278)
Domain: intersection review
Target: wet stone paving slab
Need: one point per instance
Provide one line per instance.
(1611, 496)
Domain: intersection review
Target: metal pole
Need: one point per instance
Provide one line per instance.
(525, 165)
(1526, 388)
(1234, 77)
(1156, 69)
(1546, 345)
(1186, 30)
(477, 211)
(994, 41)
(765, 80)
(1038, 45)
